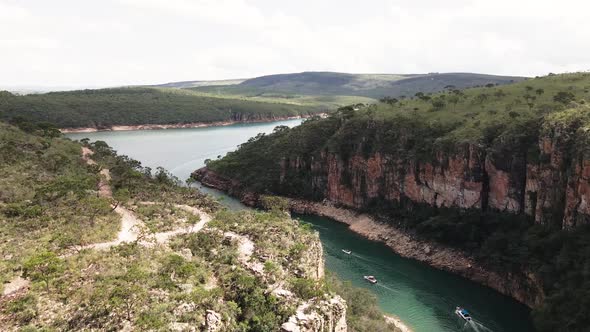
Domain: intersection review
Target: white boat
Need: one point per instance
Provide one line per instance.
(370, 279)
(461, 312)
(348, 252)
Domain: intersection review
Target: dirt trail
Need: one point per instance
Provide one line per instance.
(130, 224)
(245, 252)
(129, 230)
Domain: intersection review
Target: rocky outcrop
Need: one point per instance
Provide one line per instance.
(213, 321)
(312, 263)
(318, 315)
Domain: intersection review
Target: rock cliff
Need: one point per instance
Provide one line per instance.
(550, 184)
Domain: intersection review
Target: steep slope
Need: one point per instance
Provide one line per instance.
(105, 108)
(90, 240)
(499, 173)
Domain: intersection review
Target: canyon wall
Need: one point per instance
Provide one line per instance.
(551, 184)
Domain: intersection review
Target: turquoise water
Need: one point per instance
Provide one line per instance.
(421, 296)
(181, 151)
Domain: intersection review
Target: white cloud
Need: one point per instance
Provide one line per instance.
(115, 42)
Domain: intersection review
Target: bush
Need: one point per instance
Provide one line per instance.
(23, 309)
(305, 288)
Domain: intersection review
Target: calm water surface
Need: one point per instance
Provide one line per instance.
(422, 297)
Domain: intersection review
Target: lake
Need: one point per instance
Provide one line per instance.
(421, 296)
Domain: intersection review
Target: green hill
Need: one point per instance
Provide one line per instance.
(135, 106)
(365, 85)
(63, 269)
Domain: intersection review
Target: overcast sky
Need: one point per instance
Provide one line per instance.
(87, 43)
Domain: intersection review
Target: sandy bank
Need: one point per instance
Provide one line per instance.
(398, 323)
(178, 125)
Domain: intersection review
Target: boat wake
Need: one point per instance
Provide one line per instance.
(363, 258)
(388, 288)
(476, 326)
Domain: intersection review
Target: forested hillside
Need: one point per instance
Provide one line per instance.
(136, 106)
(499, 172)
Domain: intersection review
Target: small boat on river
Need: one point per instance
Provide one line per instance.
(461, 312)
(348, 252)
(371, 279)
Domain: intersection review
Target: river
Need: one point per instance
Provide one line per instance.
(423, 297)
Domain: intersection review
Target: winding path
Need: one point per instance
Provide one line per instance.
(131, 225)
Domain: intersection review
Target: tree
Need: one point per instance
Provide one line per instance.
(95, 206)
(274, 203)
(388, 100)
(499, 93)
(48, 130)
(539, 91)
(280, 129)
(454, 99)
(530, 100)
(564, 97)
(121, 196)
(43, 266)
(481, 98)
(438, 103)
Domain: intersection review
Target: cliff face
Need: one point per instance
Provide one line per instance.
(553, 187)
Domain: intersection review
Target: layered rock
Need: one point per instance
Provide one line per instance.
(553, 188)
(318, 315)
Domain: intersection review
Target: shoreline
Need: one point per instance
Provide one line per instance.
(180, 125)
(393, 319)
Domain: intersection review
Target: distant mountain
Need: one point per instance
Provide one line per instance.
(366, 85)
(194, 84)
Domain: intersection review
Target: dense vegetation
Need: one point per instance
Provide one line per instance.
(262, 98)
(52, 209)
(507, 119)
(134, 106)
(496, 118)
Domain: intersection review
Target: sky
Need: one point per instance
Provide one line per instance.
(91, 43)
